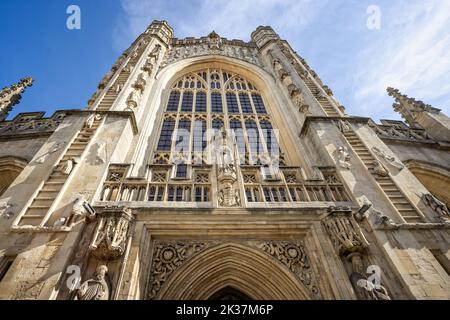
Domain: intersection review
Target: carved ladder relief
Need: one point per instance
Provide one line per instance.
(38, 213)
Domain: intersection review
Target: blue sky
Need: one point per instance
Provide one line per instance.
(411, 50)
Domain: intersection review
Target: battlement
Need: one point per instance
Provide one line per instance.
(31, 124)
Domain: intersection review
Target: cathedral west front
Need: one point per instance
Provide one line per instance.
(215, 169)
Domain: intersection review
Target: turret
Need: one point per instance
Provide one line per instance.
(10, 96)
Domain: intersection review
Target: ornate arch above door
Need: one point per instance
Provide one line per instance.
(260, 270)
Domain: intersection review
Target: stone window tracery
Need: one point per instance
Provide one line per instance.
(226, 100)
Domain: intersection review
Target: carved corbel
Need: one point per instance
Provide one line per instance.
(344, 231)
(111, 233)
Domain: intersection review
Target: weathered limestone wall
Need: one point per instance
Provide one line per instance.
(21, 148)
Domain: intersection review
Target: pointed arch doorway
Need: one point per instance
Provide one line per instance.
(235, 272)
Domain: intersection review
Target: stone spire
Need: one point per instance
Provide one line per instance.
(420, 115)
(10, 96)
(409, 108)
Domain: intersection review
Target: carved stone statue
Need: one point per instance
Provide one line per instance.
(438, 206)
(343, 126)
(344, 231)
(90, 120)
(379, 169)
(343, 157)
(225, 154)
(4, 213)
(141, 82)
(67, 168)
(394, 162)
(95, 288)
(155, 51)
(134, 98)
(367, 290)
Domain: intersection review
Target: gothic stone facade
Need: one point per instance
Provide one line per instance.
(97, 204)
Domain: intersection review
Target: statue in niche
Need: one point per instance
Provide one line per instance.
(343, 157)
(95, 288)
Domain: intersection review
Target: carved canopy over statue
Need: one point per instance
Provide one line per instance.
(111, 234)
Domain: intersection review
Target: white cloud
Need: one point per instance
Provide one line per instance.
(413, 54)
(232, 18)
(410, 52)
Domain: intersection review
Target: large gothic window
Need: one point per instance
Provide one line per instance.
(197, 109)
(203, 102)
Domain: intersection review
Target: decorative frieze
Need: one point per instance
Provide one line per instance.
(402, 133)
(211, 45)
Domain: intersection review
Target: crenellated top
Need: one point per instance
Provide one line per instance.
(263, 35)
(212, 44)
(162, 30)
(31, 124)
